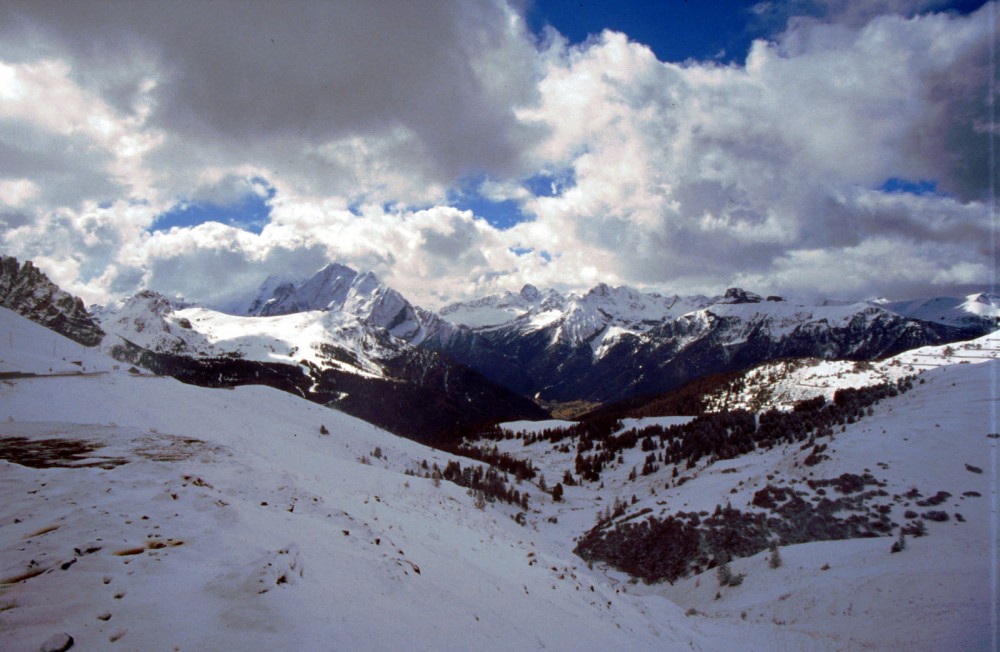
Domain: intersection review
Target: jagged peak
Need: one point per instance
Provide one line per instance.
(26, 290)
(616, 293)
(155, 301)
(739, 295)
(530, 293)
(333, 268)
(368, 283)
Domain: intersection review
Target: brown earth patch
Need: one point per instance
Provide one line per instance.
(48, 453)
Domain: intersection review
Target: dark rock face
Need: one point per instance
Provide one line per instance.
(28, 292)
(739, 295)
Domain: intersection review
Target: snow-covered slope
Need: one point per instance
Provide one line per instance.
(329, 356)
(938, 593)
(30, 348)
(142, 513)
(328, 339)
(955, 311)
(149, 319)
(145, 514)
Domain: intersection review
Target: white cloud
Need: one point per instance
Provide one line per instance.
(697, 173)
(16, 192)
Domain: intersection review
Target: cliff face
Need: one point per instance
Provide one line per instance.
(28, 292)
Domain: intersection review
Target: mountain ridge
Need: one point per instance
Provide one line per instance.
(348, 339)
(28, 291)
(608, 343)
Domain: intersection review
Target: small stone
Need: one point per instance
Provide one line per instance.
(57, 643)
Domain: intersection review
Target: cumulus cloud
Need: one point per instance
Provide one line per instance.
(424, 90)
(356, 122)
(686, 173)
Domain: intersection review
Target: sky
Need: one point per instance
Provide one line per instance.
(458, 147)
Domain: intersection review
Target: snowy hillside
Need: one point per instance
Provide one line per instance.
(956, 311)
(782, 384)
(332, 357)
(142, 513)
(924, 460)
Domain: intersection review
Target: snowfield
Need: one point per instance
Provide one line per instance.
(139, 513)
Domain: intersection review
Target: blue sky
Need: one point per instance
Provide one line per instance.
(251, 213)
(676, 30)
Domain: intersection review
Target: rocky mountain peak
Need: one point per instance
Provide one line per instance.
(28, 291)
(530, 293)
(739, 295)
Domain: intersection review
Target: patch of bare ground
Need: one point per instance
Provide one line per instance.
(48, 453)
(171, 448)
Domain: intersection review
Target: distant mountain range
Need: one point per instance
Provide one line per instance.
(615, 343)
(346, 339)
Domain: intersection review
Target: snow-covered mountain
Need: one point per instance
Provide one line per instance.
(954, 311)
(579, 316)
(332, 356)
(133, 503)
(603, 345)
(337, 288)
(327, 339)
(502, 307)
(613, 343)
(604, 314)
